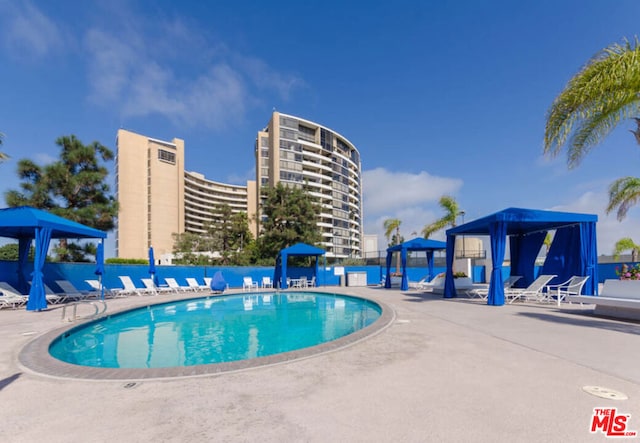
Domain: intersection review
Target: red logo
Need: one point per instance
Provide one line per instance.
(610, 423)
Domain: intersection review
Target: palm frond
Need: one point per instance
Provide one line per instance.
(623, 194)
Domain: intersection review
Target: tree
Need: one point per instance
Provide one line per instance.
(391, 225)
(602, 94)
(452, 211)
(290, 216)
(3, 156)
(73, 187)
(626, 244)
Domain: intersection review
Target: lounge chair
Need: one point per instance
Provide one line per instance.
(71, 292)
(266, 282)
(483, 293)
(207, 282)
(129, 288)
(151, 288)
(175, 287)
(425, 284)
(531, 292)
(98, 287)
(571, 287)
(248, 284)
(11, 297)
(194, 285)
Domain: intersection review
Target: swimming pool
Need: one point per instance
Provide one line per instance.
(214, 330)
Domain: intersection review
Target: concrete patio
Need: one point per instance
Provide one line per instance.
(444, 370)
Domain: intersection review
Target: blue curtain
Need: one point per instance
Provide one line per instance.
(37, 299)
(316, 271)
(563, 259)
(430, 263)
(405, 280)
(387, 279)
(589, 256)
(449, 285)
(24, 245)
(524, 250)
(498, 233)
(100, 266)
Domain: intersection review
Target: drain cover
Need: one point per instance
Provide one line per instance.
(599, 391)
(130, 385)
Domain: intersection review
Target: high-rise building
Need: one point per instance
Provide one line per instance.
(157, 198)
(301, 153)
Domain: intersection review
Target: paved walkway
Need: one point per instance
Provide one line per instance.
(443, 371)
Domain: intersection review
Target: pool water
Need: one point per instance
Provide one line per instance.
(214, 330)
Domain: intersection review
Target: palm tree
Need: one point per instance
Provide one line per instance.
(3, 156)
(594, 102)
(391, 225)
(626, 244)
(452, 210)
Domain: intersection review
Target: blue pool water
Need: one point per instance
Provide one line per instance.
(214, 330)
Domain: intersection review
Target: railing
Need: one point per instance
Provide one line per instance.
(100, 307)
(481, 254)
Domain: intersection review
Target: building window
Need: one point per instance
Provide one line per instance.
(166, 156)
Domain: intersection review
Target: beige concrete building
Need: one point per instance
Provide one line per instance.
(158, 198)
(150, 193)
(299, 152)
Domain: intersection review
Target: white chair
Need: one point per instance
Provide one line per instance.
(266, 282)
(11, 297)
(483, 293)
(194, 285)
(151, 287)
(248, 284)
(571, 287)
(98, 287)
(207, 282)
(531, 292)
(71, 292)
(129, 288)
(174, 286)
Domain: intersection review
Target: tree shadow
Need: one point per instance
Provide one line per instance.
(7, 381)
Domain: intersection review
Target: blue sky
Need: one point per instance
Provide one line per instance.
(440, 97)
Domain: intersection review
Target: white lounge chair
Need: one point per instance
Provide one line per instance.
(266, 282)
(129, 288)
(175, 287)
(11, 297)
(483, 293)
(571, 287)
(98, 287)
(207, 282)
(248, 284)
(151, 287)
(531, 292)
(194, 285)
(71, 292)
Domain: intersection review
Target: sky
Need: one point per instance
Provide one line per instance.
(440, 97)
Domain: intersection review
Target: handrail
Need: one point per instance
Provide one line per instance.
(100, 307)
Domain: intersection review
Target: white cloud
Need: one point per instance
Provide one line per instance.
(146, 74)
(411, 198)
(27, 33)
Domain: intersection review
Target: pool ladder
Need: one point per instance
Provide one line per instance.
(100, 307)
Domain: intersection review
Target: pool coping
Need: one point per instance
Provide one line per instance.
(35, 356)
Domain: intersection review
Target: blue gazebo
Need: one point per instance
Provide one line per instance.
(417, 244)
(27, 224)
(572, 252)
(300, 250)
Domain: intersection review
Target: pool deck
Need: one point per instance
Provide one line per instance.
(443, 370)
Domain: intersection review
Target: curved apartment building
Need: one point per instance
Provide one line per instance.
(158, 198)
(298, 152)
